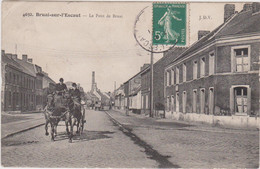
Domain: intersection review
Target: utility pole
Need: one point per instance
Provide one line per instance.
(151, 78)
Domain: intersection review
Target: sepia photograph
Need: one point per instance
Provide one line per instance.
(127, 84)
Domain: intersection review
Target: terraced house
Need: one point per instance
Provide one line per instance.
(22, 84)
(219, 74)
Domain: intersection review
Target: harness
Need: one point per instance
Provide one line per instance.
(64, 113)
(59, 117)
(55, 117)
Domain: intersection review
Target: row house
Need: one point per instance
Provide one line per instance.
(219, 74)
(158, 82)
(145, 90)
(18, 85)
(132, 90)
(120, 98)
(22, 84)
(36, 71)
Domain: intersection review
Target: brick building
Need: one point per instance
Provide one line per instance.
(22, 84)
(18, 85)
(132, 90)
(36, 71)
(120, 98)
(158, 81)
(219, 74)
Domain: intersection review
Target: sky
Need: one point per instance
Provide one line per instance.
(73, 47)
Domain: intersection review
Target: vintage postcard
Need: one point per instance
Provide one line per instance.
(130, 84)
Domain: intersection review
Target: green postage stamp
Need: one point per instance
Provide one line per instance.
(169, 24)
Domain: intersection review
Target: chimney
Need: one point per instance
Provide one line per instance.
(93, 87)
(14, 56)
(202, 33)
(24, 58)
(144, 66)
(247, 7)
(93, 77)
(3, 52)
(256, 7)
(30, 60)
(229, 10)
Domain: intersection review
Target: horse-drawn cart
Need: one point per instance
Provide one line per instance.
(64, 108)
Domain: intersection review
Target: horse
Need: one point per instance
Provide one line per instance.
(48, 112)
(54, 113)
(76, 116)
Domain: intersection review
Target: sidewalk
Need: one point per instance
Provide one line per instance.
(194, 125)
(167, 123)
(195, 145)
(15, 123)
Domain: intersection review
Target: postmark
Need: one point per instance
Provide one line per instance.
(160, 27)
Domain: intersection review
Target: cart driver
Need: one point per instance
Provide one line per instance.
(61, 87)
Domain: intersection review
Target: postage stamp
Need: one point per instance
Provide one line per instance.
(169, 24)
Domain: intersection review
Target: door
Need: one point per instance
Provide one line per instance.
(202, 101)
(184, 98)
(241, 100)
(177, 103)
(13, 101)
(194, 101)
(168, 103)
(211, 101)
(172, 103)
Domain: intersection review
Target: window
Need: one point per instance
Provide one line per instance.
(240, 57)
(194, 101)
(18, 79)
(184, 73)
(167, 78)
(6, 78)
(14, 82)
(10, 77)
(202, 67)
(147, 102)
(195, 69)
(211, 63)
(142, 102)
(172, 77)
(177, 75)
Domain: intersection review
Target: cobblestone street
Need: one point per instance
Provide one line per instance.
(101, 145)
(112, 139)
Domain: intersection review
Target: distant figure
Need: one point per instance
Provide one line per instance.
(167, 21)
(61, 87)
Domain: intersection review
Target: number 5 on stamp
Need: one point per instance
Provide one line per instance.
(169, 24)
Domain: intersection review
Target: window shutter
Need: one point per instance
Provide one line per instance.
(231, 100)
(248, 101)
